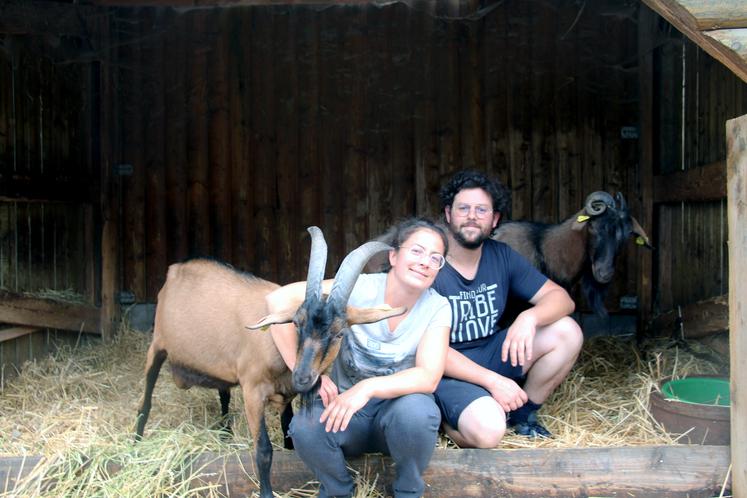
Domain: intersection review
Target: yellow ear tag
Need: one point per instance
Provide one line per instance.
(582, 217)
(639, 240)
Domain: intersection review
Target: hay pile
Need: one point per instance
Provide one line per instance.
(78, 409)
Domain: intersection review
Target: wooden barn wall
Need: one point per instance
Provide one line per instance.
(45, 170)
(696, 95)
(245, 125)
(46, 180)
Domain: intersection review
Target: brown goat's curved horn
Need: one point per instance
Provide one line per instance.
(622, 205)
(598, 202)
(349, 270)
(317, 263)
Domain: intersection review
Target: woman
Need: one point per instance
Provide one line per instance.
(378, 396)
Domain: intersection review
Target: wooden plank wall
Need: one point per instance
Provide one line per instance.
(265, 120)
(692, 255)
(44, 171)
(46, 217)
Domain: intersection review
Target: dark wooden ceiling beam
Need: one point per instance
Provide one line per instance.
(225, 3)
(34, 17)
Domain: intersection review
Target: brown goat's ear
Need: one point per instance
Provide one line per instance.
(641, 237)
(274, 318)
(371, 315)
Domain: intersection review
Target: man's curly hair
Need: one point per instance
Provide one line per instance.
(467, 179)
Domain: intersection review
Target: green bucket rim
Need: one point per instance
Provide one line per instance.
(704, 391)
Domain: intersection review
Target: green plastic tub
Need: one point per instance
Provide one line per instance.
(712, 391)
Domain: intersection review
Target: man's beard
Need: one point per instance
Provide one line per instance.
(469, 244)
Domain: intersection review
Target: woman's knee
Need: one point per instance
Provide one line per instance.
(414, 413)
(305, 428)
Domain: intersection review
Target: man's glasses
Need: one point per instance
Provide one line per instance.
(463, 210)
(417, 252)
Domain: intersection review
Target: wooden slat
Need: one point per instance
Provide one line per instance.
(717, 15)
(704, 183)
(14, 332)
(661, 471)
(39, 312)
(643, 205)
(684, 21)
(736, 164)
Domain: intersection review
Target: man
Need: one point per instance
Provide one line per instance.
(485, 366)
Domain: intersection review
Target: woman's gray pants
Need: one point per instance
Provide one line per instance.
(405, 428)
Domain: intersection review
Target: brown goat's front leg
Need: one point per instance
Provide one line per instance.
(153, 362)
(254, 405)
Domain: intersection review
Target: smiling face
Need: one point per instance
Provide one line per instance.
(418, 259)
(471, 218)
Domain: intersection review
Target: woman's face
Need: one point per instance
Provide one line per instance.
(417, 261)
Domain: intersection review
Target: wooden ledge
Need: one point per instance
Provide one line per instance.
(661, 471)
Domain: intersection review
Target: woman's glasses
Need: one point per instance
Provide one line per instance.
(417, 252)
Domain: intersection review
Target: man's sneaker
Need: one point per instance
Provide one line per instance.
(530, 428)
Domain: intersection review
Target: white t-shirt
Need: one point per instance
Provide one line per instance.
(371, 350)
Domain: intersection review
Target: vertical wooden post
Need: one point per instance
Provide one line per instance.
(109, 189)
(643, 202)
(736, 187)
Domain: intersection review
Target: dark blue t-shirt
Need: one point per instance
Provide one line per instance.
(477, 305)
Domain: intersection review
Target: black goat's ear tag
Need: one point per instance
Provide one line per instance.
(582, 217)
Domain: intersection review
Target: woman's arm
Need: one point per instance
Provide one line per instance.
(422, 378)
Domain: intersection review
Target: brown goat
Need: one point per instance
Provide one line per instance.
(203, 312)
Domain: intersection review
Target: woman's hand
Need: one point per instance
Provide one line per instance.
(327, 390)
(341, 409)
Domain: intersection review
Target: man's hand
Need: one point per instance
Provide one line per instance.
(338, 413)
(327, 390)
(520, 340)
(507, 393)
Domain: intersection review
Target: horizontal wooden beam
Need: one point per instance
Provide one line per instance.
(717, 15)
(48, 313)
(705, 183)
(16, 332)
(700, 319)
(687, 24)
(45, 189)
(661, 471)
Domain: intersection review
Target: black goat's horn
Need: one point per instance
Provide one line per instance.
(621, 201)
(317, 264)
(349, 270)
(598, 202)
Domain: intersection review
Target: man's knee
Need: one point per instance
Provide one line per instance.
(483, 423)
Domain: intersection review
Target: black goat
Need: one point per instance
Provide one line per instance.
(583, 247)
